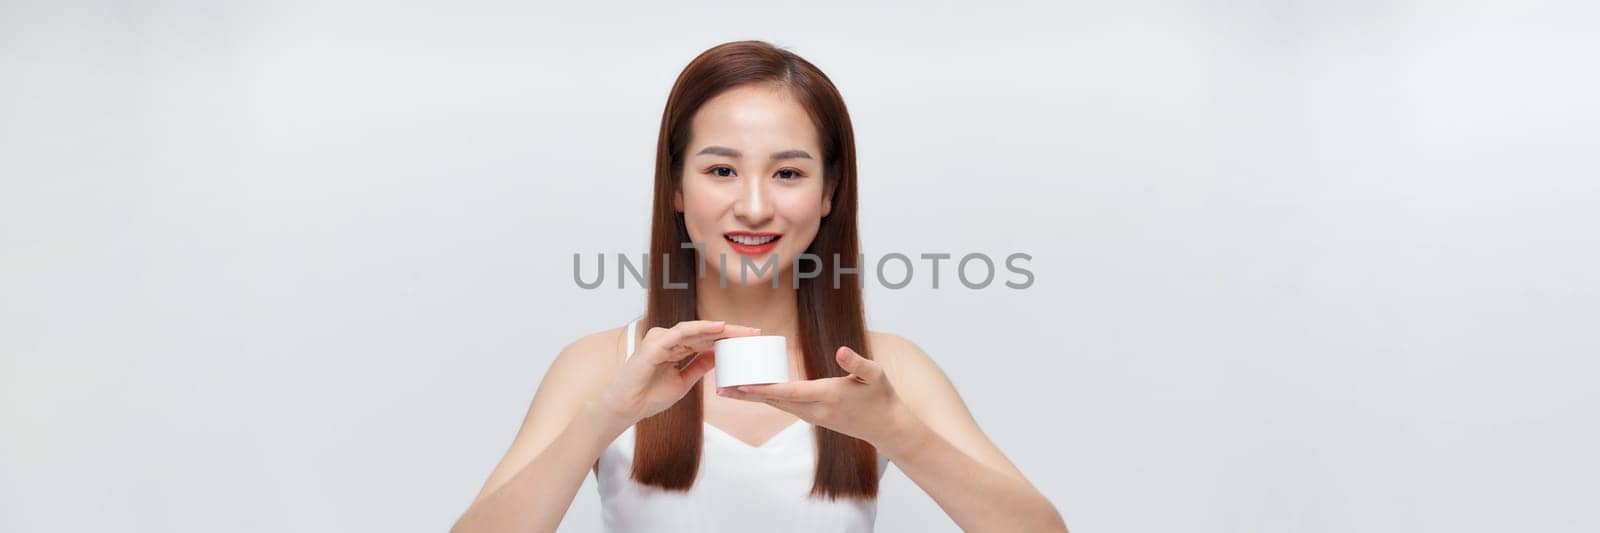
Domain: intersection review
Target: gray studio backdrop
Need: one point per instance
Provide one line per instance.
(1301, 266)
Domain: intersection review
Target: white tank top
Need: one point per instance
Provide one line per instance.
(739, 487)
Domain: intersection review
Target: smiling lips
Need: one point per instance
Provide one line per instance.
(752, 243)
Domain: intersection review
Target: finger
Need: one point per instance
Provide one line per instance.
(803, 410)
(691, 337)
(800, 409)
(815, 390)
(704, 341)
(688, 328)
(668, 344)
(699, 367)
(736, 330)
(854, 363)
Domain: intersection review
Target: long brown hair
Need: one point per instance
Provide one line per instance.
(667, 445)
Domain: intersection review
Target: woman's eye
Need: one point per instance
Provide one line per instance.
(723, 172)
(788, 174)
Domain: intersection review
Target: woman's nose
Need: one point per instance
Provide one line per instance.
(754, 207)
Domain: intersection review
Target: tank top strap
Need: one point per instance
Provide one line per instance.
(632, 328)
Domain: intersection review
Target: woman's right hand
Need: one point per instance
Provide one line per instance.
(651, 380)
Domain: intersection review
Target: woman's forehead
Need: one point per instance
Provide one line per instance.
(753, 119)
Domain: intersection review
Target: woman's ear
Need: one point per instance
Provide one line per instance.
(827, 200)
(677, 200)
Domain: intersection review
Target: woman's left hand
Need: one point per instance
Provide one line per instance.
(862, 405)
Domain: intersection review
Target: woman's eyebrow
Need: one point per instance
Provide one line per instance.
(791, 154)
(719, 150)
(729, 152)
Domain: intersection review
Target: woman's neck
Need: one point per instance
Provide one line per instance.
(758, 305)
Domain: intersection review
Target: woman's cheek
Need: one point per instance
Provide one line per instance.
(701, 212)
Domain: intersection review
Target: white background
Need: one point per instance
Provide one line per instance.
(1301, 266)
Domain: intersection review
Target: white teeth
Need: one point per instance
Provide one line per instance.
(752, 241)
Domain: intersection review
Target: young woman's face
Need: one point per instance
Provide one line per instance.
(752, 181)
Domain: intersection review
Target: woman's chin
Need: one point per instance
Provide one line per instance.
(733, 277)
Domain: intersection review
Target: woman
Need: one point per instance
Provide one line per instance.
(755, 162)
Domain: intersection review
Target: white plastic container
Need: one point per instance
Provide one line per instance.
(752, 360)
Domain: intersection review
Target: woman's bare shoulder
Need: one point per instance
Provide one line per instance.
(590, 358)
(577, 373)
(600, 344)
(883, 340)
(929, 393)
(894, 352)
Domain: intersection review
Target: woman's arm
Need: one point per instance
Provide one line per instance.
(562, 435)
(944, 452)
(586, 399)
